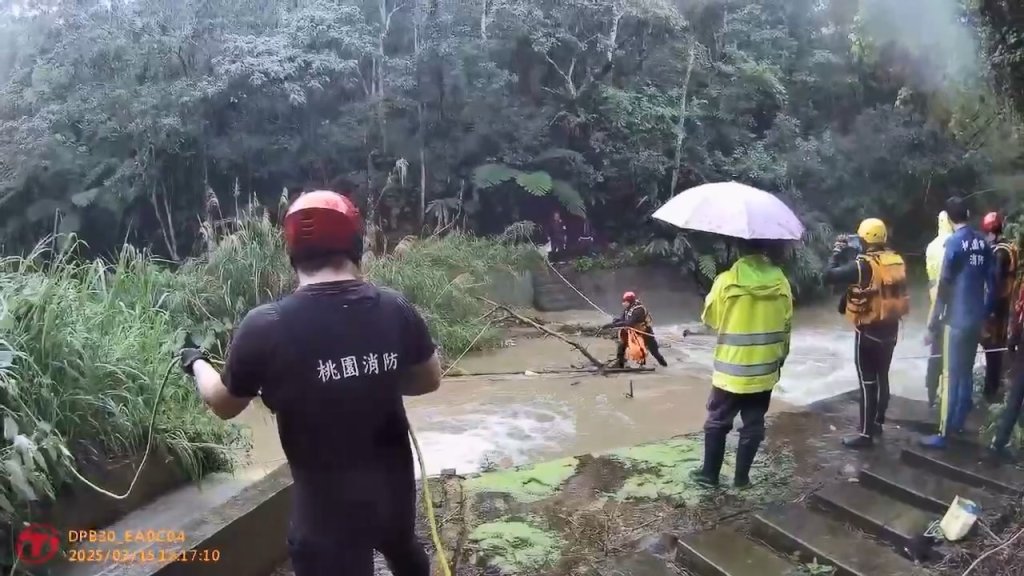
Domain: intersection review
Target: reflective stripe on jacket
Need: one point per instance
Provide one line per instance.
(750, 306)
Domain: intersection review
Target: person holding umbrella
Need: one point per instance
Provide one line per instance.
(750, 307)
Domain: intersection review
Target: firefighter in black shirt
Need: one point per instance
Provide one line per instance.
(333, 361)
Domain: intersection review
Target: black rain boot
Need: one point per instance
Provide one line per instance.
(745, 454)
(714, 455)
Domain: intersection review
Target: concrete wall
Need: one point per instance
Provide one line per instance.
(513, 289)
(670, 295)
(80, 507)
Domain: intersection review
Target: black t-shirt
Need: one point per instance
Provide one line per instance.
(328, 361)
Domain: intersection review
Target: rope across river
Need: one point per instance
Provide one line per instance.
(705, 346)
(427, 496)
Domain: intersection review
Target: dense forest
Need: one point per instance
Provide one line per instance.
(137, 120)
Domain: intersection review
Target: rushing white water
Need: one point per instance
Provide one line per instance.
(517, 419)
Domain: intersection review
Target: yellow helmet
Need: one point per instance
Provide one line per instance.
(872, 231)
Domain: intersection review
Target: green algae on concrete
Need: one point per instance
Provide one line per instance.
(525, 484)
(661, 470)
(516, 547)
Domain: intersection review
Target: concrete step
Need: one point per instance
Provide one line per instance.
(723, 552)
(895, 522)
(638, 563)
(966, 462)
(921, 488)
(797, 530)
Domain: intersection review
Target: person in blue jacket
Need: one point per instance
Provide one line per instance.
(962, 304)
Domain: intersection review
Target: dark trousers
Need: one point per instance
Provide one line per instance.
(994, 338)
(652, 346)
(873, 356)
(345, 546)
(723, 406)
(934, 372)
(1012, 408)
(405, 557)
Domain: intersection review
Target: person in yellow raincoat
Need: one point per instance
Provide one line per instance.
(933, 257)
(750, 307)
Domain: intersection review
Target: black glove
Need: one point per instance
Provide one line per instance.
(188, 357)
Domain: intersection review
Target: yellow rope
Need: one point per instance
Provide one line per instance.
(428, 503)
(145, 455)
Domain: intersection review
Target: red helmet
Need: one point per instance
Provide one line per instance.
(629, 297)
(992, 223)
(323, 222)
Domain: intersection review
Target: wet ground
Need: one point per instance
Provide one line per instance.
(635, 512)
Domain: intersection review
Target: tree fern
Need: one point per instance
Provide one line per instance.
(490, 175)
(536, 183)
(569, 197)
(707, 265)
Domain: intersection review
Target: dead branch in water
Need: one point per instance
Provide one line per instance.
(600, 365)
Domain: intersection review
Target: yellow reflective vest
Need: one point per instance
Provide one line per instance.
(934, 254)
(750, 306)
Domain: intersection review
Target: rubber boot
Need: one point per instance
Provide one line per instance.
(745, 454)
(714, 455)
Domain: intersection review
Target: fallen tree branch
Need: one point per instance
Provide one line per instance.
(597, 363)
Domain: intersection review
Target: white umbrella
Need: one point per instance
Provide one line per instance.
(732, 209)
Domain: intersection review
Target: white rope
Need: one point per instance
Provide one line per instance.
(702, 346)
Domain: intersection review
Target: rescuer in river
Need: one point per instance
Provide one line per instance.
(635, 317)
(933, 259)
(332, 361)
(750, 307)
(876, 300)
(1004, 268)
(963, 303)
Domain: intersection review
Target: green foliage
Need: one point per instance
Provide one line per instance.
(441, 276)
(91, 342)
(84, 344)
(617, 257)
(538, 183)
(117, 116)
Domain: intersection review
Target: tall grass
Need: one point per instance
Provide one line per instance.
(441, 276)
(87, 346)
(84, 344)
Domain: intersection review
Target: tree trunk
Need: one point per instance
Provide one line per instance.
(681, 124)
(166, 227)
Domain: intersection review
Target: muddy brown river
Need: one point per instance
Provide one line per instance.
(518, 418)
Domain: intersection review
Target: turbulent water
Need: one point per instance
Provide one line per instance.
(514, 419)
